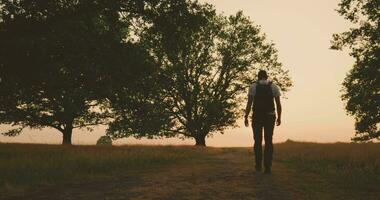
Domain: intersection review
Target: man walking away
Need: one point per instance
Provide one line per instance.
(262, 95)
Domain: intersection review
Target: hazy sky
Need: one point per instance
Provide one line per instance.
(313, 111)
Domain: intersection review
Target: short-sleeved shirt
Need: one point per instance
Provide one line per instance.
(275, 89)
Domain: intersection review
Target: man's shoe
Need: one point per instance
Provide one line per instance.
(267, 170)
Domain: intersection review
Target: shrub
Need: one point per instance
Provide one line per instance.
(104, 140)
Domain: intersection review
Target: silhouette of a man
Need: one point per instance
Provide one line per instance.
(262, 95)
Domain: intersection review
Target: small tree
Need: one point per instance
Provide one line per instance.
(58, 60)
(361, 87)
(206, 61)
(104, 140)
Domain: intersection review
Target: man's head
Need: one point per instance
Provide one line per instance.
(262, 75)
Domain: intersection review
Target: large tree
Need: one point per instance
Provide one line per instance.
(361, 87)
(59, 59)
(206, 62)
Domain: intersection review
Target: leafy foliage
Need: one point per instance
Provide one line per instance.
(104, 140)
(206, 62)
(58, 60)
(154, 68)
(361, 87)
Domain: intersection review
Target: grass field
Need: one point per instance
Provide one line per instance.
(300, 171)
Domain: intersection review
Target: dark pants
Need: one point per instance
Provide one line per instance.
(266, 122)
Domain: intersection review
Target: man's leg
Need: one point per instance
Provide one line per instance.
(268, 137)
(257, 127)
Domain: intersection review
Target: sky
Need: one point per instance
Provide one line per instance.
(312, 110)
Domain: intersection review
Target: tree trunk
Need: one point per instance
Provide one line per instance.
(67, 136)
(200, 141)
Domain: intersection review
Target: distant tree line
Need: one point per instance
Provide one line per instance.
(144, 68)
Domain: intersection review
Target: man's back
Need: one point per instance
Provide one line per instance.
(263, 100)
(265, 85)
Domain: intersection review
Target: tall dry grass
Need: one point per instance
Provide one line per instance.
(25, 166)
(353, 166)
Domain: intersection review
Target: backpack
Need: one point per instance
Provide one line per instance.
(263, 102)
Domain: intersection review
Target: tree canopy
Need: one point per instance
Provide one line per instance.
(206, 63)
(361, 87)
(60, 60)
(153, 68)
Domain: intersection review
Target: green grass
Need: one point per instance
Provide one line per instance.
(24, 167)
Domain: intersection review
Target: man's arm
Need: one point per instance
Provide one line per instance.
(248, 109)
(279, 110)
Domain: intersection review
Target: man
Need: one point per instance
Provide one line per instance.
(262, 95)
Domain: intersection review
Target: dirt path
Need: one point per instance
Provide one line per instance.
(228, 174)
